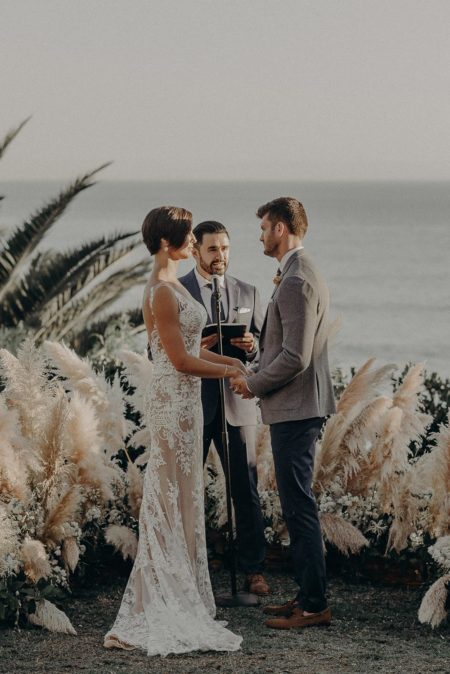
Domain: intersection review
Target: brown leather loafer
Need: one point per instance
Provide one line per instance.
(297, 620)
(284, 610)
(256, 584)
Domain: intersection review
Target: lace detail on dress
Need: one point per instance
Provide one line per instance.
(168, 605)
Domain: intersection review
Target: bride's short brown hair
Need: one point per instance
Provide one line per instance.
(166, 222)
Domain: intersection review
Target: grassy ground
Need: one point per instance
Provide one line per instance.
(375, 629)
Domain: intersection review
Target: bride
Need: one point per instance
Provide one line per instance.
(168, 604)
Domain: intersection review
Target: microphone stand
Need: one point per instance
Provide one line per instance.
(235, 598)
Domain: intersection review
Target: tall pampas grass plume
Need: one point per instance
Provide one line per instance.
(437, 468)
(362, 387)
(36, 564)
(139, 373)
(354, 399)
(84, 442)
(64, 511)
(49, 616)
(440, 551)
(122, 539)
(106, 399)
(342, 534)
(70, 552)
(26, 386)
(434, 607)
(9, 541)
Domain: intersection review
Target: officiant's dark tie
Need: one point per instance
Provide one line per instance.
(213, 306)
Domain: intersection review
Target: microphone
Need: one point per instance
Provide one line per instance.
(215, 278)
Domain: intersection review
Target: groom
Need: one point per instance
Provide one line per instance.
(240, 304)
(294, 386)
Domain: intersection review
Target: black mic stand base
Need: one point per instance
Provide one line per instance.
(245, 599)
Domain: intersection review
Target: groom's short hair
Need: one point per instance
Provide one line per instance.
(208, 227)
(288, 210)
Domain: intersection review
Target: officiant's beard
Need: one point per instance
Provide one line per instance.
(212, 268)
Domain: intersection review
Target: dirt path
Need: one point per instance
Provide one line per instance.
(375, 629)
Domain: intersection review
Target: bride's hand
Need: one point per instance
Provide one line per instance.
(239, 365)
(233, 372)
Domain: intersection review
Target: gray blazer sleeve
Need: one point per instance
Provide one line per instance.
(256, 326)
(296, 304)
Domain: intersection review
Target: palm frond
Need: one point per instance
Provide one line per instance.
(78, 311)
(55, 278)
(86, 339)
(18, 247)
(7, 140)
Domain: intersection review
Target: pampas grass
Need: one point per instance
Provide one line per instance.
(70, 552)
(9, 543)
(64, 511)
(437, 469)
(36, 564)
(49, 616)
(62, 428)
(122, 539)
(342, 534)
(440, 552)
(106, 399)
(138, 370)
(433, 607)
(56, 471)
(26, 386)
(359, 393)
(83, 443)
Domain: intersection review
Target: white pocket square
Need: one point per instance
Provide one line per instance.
(243, 310)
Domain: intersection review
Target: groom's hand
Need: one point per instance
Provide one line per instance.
(239, 385)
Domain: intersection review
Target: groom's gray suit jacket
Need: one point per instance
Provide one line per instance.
(244, 306)
(293, 379)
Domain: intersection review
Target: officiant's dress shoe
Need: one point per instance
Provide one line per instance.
(283, 610)
(297, 620)
(255, 584)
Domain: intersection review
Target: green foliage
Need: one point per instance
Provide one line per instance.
(55, 295)
(434, 400)
(18, 598)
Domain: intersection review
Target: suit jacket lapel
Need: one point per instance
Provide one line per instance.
(192, 285)
(294, 256)
(232, 290)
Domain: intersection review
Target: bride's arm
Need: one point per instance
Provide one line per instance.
(166, 317)
(212, 357)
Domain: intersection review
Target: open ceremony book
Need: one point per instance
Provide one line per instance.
(229, 331)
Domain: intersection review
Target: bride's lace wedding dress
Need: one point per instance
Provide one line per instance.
(168, 604)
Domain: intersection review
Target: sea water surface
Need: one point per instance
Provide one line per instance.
(384, 249)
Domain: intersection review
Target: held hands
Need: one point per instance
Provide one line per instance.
(235, 370)
(239, 365)
(239, 385)
(246, 342)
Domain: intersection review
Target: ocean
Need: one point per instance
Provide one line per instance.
(384, 249)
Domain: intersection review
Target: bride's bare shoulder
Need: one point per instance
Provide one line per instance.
(158, 293)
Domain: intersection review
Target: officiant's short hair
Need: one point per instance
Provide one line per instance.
(166, 222)
(288, 210)
(208, 227)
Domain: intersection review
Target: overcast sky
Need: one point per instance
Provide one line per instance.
(227, 89)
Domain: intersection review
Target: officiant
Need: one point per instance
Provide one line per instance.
(240, 303)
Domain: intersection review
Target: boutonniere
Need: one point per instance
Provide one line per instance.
(277, 278)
